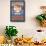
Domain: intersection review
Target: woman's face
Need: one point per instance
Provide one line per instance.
(44, 10)
(17, 8)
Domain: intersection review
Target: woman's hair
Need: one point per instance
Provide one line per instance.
(42, 7)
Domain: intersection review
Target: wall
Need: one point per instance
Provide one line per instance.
(30, 25)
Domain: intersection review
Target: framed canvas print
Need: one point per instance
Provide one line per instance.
(17, 11)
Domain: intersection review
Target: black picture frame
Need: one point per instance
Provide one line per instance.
(17, 11)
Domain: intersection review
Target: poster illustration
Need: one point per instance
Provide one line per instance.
(17, 11)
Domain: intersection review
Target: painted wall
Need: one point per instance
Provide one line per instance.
(30, 25)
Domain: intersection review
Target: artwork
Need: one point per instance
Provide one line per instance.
(17, 11)
(42, 17)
